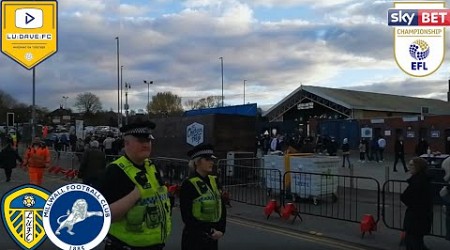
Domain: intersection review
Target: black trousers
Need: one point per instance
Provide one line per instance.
(414, 242)
(361, 156)
(196, 240)
(381, 152)
(343, 160)
(402, 159)
(8, 172)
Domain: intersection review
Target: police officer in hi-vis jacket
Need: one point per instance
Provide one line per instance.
(138, 199)
(202, 209)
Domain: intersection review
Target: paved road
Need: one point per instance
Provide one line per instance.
(241, 234)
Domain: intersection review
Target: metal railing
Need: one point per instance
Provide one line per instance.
(333, 196)
(393, 212)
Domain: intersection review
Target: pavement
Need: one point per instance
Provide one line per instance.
(383, 238)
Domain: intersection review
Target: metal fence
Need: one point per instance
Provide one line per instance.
(340, 197)
(333, 196)
(173, 170)
(394, 210)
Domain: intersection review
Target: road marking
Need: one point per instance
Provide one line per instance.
(297, 235)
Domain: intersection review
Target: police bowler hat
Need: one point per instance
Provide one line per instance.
(140, 129)
(203, 150)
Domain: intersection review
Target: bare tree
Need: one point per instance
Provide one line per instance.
(213, 101)
(190, 104)
(6, 100)
(208, 102)
(88, 103)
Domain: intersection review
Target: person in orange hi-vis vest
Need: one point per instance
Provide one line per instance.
(37, 158)
(44, 132)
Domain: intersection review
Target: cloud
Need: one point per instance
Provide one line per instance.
(178, 45)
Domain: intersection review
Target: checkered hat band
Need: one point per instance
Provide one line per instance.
(202, 152)
(136, 131)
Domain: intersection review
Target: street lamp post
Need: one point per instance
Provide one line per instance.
(33, 107)
(221, 64)
(118, 83)
(127, 87)
(148, 94)
(121, 90)
(244, 90)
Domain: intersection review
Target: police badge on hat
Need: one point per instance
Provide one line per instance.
(141, 129)
(203, 150)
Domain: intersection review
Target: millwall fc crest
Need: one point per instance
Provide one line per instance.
(419, 36)
(76, 216)
(22, 210)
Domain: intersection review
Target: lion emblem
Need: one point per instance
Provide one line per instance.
(78, 214)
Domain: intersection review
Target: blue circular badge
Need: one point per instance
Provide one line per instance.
(76, 216)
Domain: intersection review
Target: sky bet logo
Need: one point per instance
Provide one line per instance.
(419, 35)
(424, 17)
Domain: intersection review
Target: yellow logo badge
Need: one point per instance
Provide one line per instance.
(22, 210)
(29, 31)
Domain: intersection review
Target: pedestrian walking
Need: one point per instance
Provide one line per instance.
(92, 166)
(399, 153)
(367, 144)
(202, 209)
(381, 147)
(421, 147)
(345, 152)
(138, 198)
(8, 159)
(374, 150)
(37, 158)
(419, 202)
(362, 150)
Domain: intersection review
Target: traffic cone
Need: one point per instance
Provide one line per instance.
(289, 210)
(57, 169)
(51, 169)
(271, 207)
(367, 224)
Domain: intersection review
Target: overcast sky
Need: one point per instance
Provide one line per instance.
(275, 45)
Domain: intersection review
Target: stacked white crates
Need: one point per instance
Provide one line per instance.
(318, 176)
(307, 184)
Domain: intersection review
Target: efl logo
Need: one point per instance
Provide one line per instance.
(29, 18)
(419, 35)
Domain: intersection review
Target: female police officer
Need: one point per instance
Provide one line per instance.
(201, 206)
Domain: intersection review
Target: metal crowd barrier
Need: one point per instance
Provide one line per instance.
(172, 170)
(333, 196)
(72, 160)
(394, 210)
(341, 197)
(251, 185)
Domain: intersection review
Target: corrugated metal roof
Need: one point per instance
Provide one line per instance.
(362, 100)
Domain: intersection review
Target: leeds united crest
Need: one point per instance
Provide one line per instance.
(22, 210)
